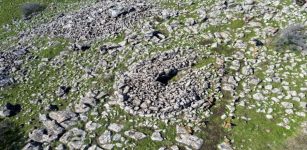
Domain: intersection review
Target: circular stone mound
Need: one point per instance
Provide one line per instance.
(165, 86)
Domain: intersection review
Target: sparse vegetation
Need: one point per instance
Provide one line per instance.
(11, 137)
(246, 127)
(293, 37)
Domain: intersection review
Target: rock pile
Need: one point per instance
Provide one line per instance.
(165, 85)
(10, 61)
(98, 21)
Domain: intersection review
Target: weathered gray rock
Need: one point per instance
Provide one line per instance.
(115, 127)
(5, 81)
(32, 146)
(254, 80)
(117, 137)
(107, 146)
(175, 147)
(61, 116)
(94, 147)
(190, 22)
(60, 147)
(190, 140)
(74, 138)
(181, 130)
(156, 136)
(247, 70)
(53, 129)
(249, 2)
(105, 138)
(258, 96)
(287, 105)
(135, 135)
(87, 102)
(224, 146)
(91, 126)
(228, 87)
(235, 65)
(39, 135)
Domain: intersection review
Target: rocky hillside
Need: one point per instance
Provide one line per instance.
(161, 75)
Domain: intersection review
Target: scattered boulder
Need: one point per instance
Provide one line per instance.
(247, 70)
(33, 146)
(224, 146)
(74, 138)
(92, 126)
(156, 136)
(181, 130)
(61, 116)
(258, 96)
(249, 2)
(115, 127)
(105, 138)
(287, 105)
(190, 140)
(94, 147)
(39, 135)
(135, 135)
(107, 146)
(53, 129)
(65, 118)
(5, 81)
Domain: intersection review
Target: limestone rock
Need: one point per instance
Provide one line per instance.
(135, 135)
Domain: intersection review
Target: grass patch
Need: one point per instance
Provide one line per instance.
(11, 137)
(224, 50)
(205, 61)
(206, 42)
(10, 10)
(259, 130)
(54, 50)
(235, 24)
(214, 133)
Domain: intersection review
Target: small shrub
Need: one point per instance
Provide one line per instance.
(293, 37)
(30, 9)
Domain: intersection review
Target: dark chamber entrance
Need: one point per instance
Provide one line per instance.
(164, 77)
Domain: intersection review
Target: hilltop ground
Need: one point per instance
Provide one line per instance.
(190, 74)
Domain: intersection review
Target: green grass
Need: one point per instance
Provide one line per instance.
(22, 94)
(10, 10)
(214, 132)
(10, 134)
(235, 24)
(259, 130)
(205, 61)
(53, 50)
(259, 133)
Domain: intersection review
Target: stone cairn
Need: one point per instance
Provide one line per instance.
(166, 86)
